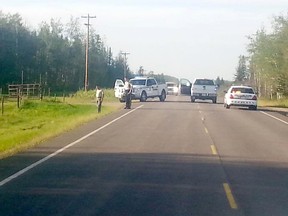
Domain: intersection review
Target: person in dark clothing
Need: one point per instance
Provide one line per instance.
(128, 91)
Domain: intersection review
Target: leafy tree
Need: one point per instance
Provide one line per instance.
(55, 55)
(140, 71)
(76, 55)
(18, 48)
(268, 59)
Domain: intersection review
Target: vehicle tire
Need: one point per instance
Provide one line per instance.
(253, 107)
(162, 97)
(192, 99)
(227, 106)
(214, 100)
(121, 101)
(143, 97)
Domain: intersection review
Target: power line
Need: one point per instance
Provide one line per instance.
(87, 50)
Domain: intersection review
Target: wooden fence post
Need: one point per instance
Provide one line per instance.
(2, 105)
(18, 98)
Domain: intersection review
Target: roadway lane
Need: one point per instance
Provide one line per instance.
(253, 149)
(172, 158)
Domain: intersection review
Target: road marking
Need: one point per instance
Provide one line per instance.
(214, 150)
(230, 196)
(17, 174)
(206, 130)
(274, 117)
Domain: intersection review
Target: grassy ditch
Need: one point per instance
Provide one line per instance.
(36, 121)
(283, 103)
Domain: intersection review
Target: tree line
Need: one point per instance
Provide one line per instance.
(54, 56)
(266, 66)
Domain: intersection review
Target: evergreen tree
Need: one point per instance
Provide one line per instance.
(241, 70)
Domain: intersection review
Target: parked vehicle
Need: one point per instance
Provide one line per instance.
(147, 87)
(184, 87)
(143, 88)
(243, 96)
(204, 89)
(119, 90)
(172, 88)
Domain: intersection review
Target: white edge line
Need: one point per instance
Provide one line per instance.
(274, 117)
(17, 174)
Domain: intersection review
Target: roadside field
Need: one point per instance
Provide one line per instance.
(36, 121)
(273, 103)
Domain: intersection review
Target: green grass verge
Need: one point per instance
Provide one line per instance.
(36, 121)
(283, 103)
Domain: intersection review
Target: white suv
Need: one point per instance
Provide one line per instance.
(243, 96)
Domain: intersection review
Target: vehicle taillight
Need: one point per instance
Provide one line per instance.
(254, 97)
(231, 96)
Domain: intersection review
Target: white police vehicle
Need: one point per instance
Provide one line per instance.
(142, 89)
(242, 96)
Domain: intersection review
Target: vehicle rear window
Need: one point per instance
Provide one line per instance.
(242, 90)
(204, 82)
(171, 84)
(138, 82)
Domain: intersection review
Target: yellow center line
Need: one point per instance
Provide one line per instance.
(214, 150)
(213, 147)
(229, 196)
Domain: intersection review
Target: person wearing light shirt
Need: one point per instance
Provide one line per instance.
(99, 97)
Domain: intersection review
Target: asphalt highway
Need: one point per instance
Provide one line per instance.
(172, 158)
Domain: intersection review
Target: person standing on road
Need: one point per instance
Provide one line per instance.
(128, 91)
(99, 97)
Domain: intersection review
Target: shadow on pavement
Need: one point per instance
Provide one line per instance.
(147, 184)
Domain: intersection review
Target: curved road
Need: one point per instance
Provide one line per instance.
(172, 158)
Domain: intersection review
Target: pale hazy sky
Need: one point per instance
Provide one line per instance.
(181, 38)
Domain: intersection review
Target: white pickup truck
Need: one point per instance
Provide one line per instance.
(143, 88)
(203, 89)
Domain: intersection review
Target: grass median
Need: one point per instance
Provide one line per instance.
(36, 121)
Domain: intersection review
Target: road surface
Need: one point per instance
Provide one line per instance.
(160, 158)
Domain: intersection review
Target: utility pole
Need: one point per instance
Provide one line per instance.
(87, 50)
(125, 61)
